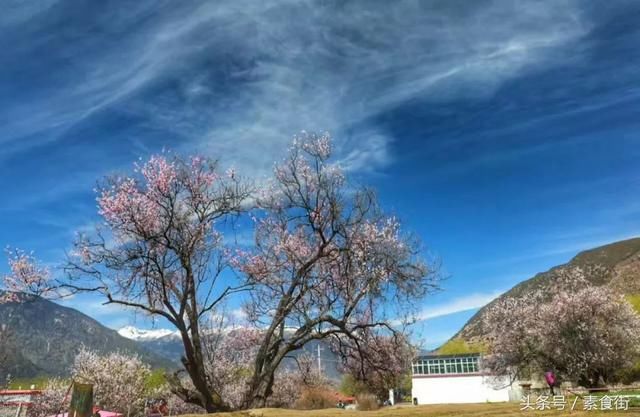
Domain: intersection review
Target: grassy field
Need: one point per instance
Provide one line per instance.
(465, 410)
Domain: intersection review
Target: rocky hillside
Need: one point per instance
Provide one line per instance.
(616, 265)
(39, 337)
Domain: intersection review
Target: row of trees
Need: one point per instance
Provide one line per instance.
(123, 382)
(326, 263)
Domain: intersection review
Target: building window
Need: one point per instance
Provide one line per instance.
(446, 366)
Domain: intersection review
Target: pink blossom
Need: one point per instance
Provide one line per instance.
(26, 276)
(230, 356)
(583, 332)
(119, 379)
(315, 145)
(159, 174)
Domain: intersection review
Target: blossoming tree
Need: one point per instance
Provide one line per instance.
(165, 254)
(584, 333)
(158, 252)
(118, 379)
(327, 262)
(377, 362)
(53, 399)
(119, 382)
(230, 354)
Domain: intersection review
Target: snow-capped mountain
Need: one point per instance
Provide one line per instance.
(134, 333)
(168, 344)
(164, 342)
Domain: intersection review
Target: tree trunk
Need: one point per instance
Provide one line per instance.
(81, 401)
(266, 363)
(194, 365)
(260, 390)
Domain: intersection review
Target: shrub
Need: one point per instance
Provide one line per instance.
(630, 375)
(52, 400)
(634, 300)
(351, 386)
(155, 379)
(315, 399)
(367, 402)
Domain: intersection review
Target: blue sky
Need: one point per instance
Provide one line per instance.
(503, 133)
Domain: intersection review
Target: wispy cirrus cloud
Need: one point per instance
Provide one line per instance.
(569, 246)
(458, 305)
(237, 79)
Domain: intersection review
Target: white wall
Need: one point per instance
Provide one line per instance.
(459, 389)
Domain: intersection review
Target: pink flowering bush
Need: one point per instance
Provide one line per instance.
(118, 379)
(54, 399)
(587, 334)
(119, 382)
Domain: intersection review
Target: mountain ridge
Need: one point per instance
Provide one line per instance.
(42, 338)
(615, 264)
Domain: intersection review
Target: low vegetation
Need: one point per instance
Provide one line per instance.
(463, 410)
(367, 402)
(26, 383)
(315, 399)
(634, 300)
(459, 346)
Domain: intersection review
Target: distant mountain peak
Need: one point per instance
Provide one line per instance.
(134, 333)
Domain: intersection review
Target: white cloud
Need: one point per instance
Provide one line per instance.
(458, 305)
(574, 243)
(239, 314)
(244, 76)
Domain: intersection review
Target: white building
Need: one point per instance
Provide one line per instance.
(448, 379)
